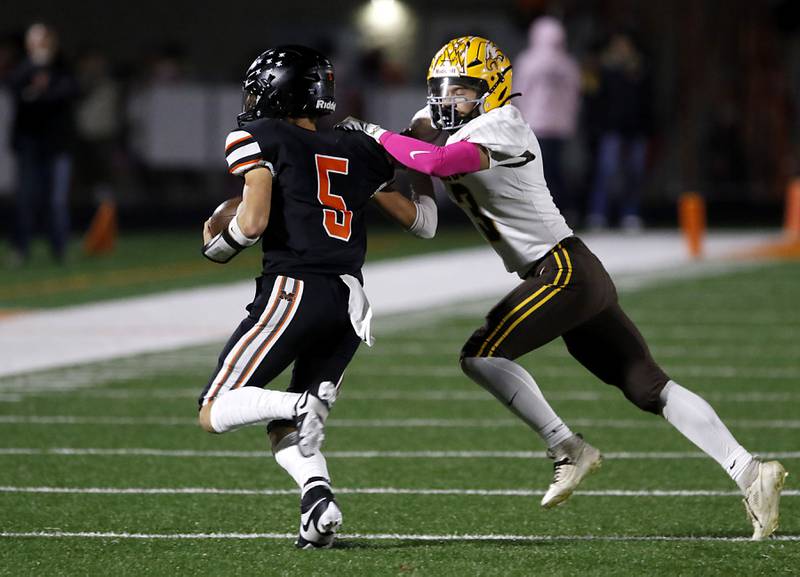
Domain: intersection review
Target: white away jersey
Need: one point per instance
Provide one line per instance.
(509, 203)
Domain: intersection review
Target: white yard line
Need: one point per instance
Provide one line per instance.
(389, 537)
(602, 393)
(190, 453)
(759, 352)
(680, 333)
(46, 420)
(575, 370)
(370, 491)
(112, 329)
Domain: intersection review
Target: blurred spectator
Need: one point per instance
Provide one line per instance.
(550, 81)
(42, 138)
(9, 56)
(98, 119)
(167, 65)
(624, 118)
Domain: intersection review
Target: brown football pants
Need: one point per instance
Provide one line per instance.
(569, 294)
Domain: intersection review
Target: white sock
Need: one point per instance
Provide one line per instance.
(698, 422)
(249, 406)
(514, 387)
(300, 468)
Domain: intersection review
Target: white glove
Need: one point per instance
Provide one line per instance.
(353, 124)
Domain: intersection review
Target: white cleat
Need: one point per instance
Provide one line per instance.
(310, 415)
(762, 499)
(570, 468)
(320, 518)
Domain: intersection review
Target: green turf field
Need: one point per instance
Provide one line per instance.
(434, 476)
(153, 262)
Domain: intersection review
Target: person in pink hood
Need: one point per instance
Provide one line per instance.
(550, 82)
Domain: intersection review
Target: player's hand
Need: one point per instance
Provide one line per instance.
(353, 124)
(207, 236)
(423, 129)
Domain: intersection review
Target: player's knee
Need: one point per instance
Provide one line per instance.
(469, 350)
(467, 363)
(204, 418)
(643, 385)
(475, 348)
(644, 397)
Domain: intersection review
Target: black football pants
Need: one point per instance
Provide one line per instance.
(301, 320)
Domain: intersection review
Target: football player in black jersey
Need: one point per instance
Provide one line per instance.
(304, 196)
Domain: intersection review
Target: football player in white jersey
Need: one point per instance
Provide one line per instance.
(491, 166)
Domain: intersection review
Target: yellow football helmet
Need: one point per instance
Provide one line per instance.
(473, 62)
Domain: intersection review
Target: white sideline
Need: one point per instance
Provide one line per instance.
(392, 537)
(94, 332)
(190, 453)
(370, 491)
(45, 420)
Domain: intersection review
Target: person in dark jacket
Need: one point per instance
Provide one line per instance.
(42, 136)
(623, 111)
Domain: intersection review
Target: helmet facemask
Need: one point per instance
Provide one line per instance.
(251, 96)
(444, 103)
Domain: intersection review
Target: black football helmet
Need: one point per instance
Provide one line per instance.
(288, 81)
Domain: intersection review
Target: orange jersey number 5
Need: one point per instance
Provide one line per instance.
(336, 218)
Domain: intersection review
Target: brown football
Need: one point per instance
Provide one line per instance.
(223, 214)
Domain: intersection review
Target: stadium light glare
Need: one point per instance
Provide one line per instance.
(384, 17)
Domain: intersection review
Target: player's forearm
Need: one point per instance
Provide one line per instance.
(397, 207)
(252, 222)
(252, 216)
(458, 158)
(419, 216)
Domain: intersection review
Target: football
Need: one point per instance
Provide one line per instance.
(223, 214)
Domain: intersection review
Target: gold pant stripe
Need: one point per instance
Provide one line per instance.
(560, 269)
(514, 311)
(522, 317)
(534, 305)
(569, 266)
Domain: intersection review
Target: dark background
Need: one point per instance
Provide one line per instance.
(726, 79)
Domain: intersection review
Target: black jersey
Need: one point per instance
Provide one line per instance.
(322, 181)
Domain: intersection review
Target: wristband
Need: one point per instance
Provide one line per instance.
(227, 244)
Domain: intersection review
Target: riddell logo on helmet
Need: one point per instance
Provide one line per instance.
(326, 105)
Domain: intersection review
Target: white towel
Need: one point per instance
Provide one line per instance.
(359, 309)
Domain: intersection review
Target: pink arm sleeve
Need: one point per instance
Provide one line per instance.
(457, 158)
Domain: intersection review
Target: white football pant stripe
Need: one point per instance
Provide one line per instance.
(238, 358)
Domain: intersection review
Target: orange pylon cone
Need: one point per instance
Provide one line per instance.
(102, 234)
(791, 223)
(692, 219)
